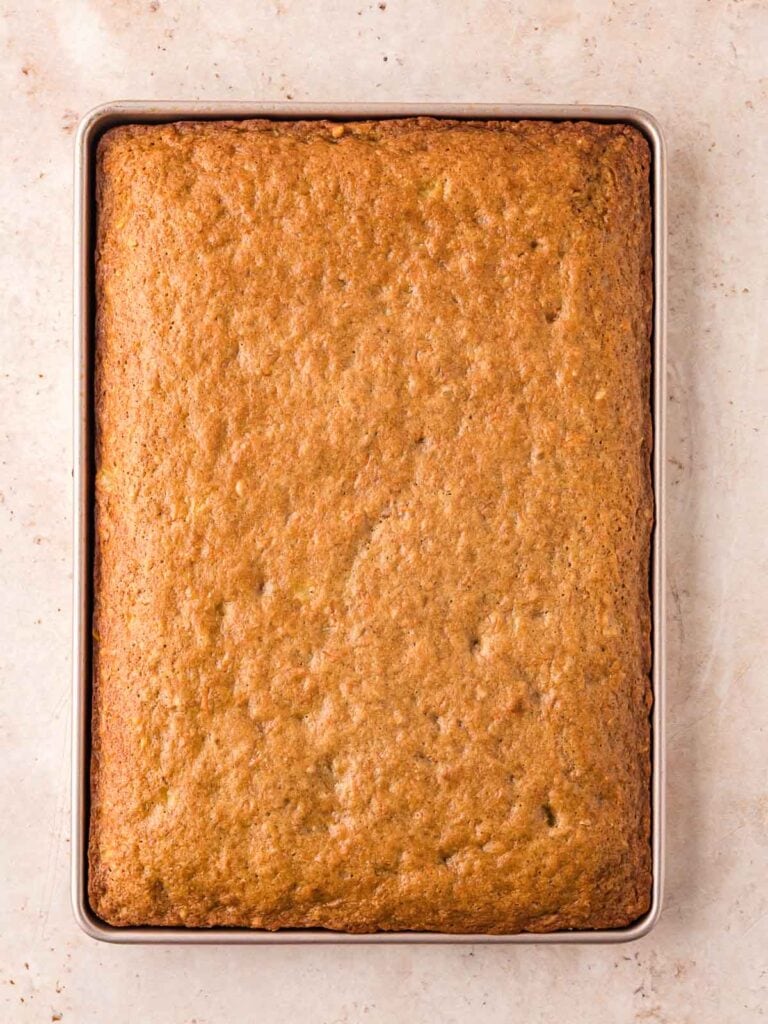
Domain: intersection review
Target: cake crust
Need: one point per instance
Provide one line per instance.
(372, 515)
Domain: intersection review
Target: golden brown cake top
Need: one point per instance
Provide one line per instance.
(373, 512)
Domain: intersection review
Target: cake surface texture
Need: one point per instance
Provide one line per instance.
(372, 522)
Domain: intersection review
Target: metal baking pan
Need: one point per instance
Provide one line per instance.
(90, 129)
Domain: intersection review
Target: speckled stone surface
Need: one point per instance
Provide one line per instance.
(698, 67)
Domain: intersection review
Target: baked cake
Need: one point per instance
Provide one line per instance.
(373, 507)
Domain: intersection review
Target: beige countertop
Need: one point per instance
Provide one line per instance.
(697, 66)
